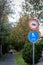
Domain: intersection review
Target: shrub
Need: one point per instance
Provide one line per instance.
(18, 46)
(27, 53)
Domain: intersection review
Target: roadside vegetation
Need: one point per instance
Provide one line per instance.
(14, 36)
(19, 59)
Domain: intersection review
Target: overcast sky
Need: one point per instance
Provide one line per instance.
(16, 7)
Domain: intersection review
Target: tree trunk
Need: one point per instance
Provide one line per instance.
(0, 49)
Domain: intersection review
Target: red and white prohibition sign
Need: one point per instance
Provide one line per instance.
(33, 24)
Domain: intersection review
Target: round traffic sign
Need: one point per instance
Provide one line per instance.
(33, 24)
(33, 36)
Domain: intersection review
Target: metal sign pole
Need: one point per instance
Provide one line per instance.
(33, 54)
(33, 37)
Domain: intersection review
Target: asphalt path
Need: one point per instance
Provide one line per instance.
(8, 60)
(40, 61)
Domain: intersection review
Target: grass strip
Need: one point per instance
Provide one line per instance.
(19, 59)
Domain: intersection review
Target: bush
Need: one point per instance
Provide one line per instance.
(18, 46)
(27, 53)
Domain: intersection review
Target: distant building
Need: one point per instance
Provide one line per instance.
(41, 28)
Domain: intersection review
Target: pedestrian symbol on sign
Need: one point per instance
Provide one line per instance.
(33, 35)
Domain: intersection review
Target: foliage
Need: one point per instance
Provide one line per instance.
(19, 35)
(4, 25)
(36, 4)
(19, 59)
(33, 8)
(41, 43)
(27, 52)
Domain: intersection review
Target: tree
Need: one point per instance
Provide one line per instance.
(19, 35)
(35, 8)
(37, 4)
(4, 25)
(2, 5)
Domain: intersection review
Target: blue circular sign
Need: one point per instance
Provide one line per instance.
(33, 36)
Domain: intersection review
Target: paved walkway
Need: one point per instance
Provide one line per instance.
(41, 61)
(8, 60)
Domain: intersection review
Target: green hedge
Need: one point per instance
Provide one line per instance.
(27, 53)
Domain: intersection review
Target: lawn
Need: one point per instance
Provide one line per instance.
(19, 59)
